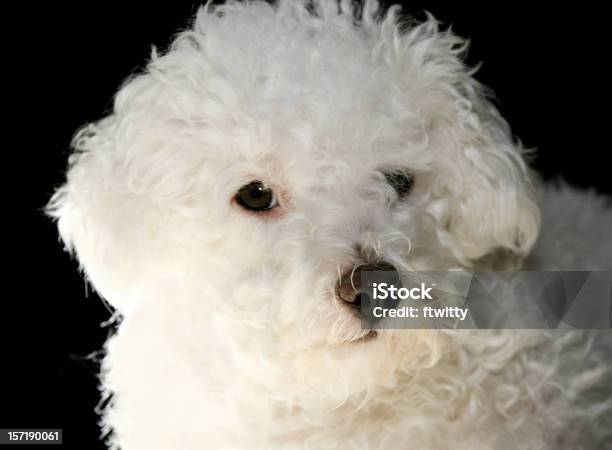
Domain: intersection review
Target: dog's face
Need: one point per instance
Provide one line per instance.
(271, 152)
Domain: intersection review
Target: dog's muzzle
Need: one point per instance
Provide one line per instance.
(358, 297)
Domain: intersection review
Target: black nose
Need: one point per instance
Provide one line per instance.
(356, 296)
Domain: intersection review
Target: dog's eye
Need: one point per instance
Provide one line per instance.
(256, 197)
(400, 180)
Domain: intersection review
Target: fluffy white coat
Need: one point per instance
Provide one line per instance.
(231, 337)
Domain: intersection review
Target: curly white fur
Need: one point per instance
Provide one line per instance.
(231, 337)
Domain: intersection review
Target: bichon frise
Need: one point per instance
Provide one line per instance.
(269, 152)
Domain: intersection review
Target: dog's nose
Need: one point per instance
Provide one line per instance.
(348, 287)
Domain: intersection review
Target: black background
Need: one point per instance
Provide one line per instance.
(65, 61)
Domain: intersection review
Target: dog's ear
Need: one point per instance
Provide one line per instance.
(493, 216)
(483, 198)
(90, 225)
(105, 219)
(492, 219)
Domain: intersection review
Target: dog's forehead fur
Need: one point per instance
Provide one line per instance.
(323, 84)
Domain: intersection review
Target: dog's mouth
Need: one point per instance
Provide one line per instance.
(368, 336)
(364, 336)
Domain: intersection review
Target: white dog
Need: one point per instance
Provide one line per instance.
(267, 154)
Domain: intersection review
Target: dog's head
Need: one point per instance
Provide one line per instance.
(271, 151)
